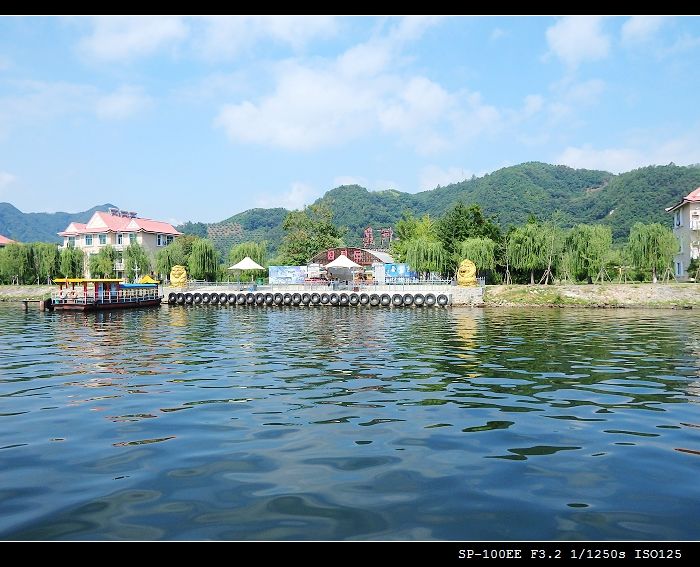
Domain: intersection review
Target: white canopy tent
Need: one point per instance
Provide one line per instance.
(247, 264)
(343, 261)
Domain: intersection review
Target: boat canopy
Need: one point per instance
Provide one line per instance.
(138, 285)
(85, 280)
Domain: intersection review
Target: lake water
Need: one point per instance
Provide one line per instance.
(344, 423)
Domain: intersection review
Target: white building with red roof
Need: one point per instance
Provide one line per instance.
(118, 229)
(686, 228)
(4, 241)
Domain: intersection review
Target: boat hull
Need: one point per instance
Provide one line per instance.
(106, 306)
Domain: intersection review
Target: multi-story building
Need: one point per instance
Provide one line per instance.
(118, 229)
(686, 228)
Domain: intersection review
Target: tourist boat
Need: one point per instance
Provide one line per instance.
(80, 294)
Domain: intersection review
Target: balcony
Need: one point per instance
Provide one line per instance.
(119, 266)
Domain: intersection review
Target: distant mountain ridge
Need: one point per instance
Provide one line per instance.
(39, 227)
(511, 195)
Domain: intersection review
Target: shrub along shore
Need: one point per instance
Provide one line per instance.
(661, 295)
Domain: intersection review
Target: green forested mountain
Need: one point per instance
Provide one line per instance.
(39, 227)
(510, 195)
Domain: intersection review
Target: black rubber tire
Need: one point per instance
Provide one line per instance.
(419, 300)
(172, 298)
(334, 299)
(442, 300)
(315, 298)
(407, 299)
(259, 299)
(306, 298)
(374, 300)
(279, 299)
(364, 299)
(269, 299)
(232, 299)
(223, 298)
(189, 298)
(197, 298)
(213, 298)
(250, 298)
(287, 298)
(206, 298)
(397, 300)
(241, 299)
(385, 300)
(180, 298)
(325, 298)
(354, 299)
(344, 299)
(430, 300)
(296, 298)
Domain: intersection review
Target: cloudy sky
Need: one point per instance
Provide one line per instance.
(201, 118)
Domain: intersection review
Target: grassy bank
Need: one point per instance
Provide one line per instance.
(18, 292)
(674, 295)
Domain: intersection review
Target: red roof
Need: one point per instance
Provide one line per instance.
(693, 195)
(106, 222)
(4, 240)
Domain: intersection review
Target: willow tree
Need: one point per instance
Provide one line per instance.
(411, 228)
(529, 248)
(72, 261)
(17, 263)
(589, 248)
(652, 247)
(136, 261)
(481, 251)
(426, 255)
(102, 263)
(204, 260)
(46, 260)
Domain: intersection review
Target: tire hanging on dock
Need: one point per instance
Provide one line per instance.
(430, 300)
(344, 299)
(180, 298)
(325, 298)
(189, 298)
(364, 299)
(172, 298)
(306, 298)
(269, 299)
(279, 299)
(214, 298)
(419, 300)
(374, 300)
(250, 298)
(241, 299)
(296, 298)
(223, 298)
(259, 299)
(407, 299)
(385, 300)
(354, 299)
(442, 300)
(397, 300)
(287, 298)
(315, 298)
(334, 299)
(205, 298)
(232, 299)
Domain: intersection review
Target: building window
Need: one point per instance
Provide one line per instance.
(102, 239)
(677, 219)
(160, 241)
(132, 238)
(168, 239)
(357, 256)
(88, 240)
(71, 242)
(679, 268)
(120, 238)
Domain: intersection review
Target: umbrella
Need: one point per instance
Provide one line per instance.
(247, 264)
(343, 261)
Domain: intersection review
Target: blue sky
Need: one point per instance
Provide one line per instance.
(201, 118)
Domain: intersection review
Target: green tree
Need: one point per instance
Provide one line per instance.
(72, 262)
(461, 222)
(135, 256)
(204, 260)
(528, 248)
(102, 264)
(481, 251)
(46, 260)
(426, 255)
(307, 233)
(589, 248)
(256, 251)
(652, 247)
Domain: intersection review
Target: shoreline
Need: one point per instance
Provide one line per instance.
(601, 296)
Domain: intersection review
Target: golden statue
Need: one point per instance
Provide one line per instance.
(178, 276)
(466, 274)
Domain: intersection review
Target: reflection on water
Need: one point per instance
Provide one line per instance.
(337, 423)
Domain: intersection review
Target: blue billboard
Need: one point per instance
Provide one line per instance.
(400, 271)
(287, 275)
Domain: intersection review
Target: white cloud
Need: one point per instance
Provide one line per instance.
(575, 39)
(115, 38)
(681, 150)
(431, 176)
(362, 91)
(6, 179)
(570, 97)
(224, 37)
(297, 197)
(498, 33)
(639, 29)
(123, 103)
(532, 105)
